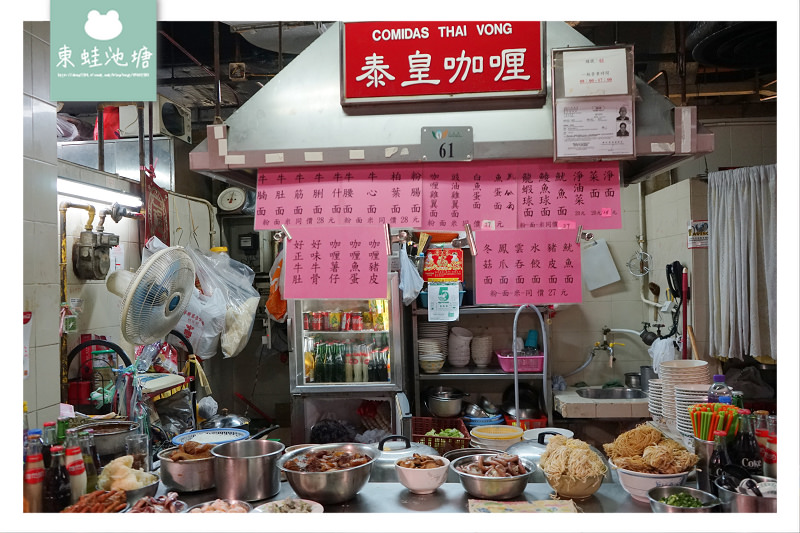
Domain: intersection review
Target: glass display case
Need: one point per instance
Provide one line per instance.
(342, 351)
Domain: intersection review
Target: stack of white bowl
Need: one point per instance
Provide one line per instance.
(431, 357)
(458, 352)
(481, 350)
(654, 400)
(675, 373)
(687, 395)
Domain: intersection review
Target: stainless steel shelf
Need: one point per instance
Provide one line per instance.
(311, 332)
(482, 310)
(476, 373)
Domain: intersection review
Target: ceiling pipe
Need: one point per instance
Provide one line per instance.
(680, 38)
(199, 64)
(217, 83)
(666, 81)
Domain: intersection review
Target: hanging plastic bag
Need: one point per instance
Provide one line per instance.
(410, 280)
(221, 277)
(202, 322)
(662, 350)
(276, 305)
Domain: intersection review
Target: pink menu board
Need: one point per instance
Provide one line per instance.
(565, 195)
(336, 262)
(301, 197)
(527, 267)
(474, 193)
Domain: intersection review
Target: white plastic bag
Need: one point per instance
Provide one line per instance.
(202, 322)
(662, 350)
(410, 280)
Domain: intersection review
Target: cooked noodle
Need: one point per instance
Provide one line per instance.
(645, 449)
(571, 458)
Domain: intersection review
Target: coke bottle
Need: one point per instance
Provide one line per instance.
(88, 461)
(57, 492)
(719, 458)
(49, 439)
(745, 451)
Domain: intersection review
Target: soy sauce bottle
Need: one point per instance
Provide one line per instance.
(745, 451)
(57, 492)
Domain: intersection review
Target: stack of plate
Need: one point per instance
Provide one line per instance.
(654, 399)
(676, 373)
(434, 331)
(481, 349)
(686, 396)
(473, 421)
(497, 437)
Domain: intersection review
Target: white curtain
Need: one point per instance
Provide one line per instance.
(742, 270)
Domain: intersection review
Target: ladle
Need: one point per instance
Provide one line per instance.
(656, 290)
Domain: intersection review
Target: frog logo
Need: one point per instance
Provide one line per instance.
(103, 27)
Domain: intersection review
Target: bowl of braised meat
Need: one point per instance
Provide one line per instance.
(329, 473)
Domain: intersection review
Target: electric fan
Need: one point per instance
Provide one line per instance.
(155, 297)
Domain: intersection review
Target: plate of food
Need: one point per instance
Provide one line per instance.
(290, 505)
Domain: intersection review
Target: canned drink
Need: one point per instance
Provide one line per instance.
(335, 321)
(356, 322)
(346, 321)
(366, 318)
(316, 321)
(325, 321)
(306, 320)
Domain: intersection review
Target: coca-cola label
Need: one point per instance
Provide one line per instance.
(770, 456)
(35, 475)
(76, 468)
(752, 464)
(34, 458)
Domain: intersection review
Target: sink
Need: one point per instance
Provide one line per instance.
(616, 393)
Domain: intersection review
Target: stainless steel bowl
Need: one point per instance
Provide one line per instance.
(470, 409)
(136, 494)
(633, 380)
(735, 502)
(333, 486)
(188, 475)
(109, 437)
(711, 504)
(492, 488)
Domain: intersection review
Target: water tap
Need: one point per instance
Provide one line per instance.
(609, 347)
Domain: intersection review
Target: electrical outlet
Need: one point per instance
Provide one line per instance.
(668, 306)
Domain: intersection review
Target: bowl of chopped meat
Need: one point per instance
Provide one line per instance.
(188, 467)
(500, 476)
(422, 474)
(329, 473)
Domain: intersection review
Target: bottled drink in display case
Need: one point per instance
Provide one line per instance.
(56, 495)
(319, 362)
(719, 458)
(745, 451)
(339, 372)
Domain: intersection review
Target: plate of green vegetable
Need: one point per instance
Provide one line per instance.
(680, 499)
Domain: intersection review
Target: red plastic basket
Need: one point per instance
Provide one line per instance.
(421, 425)
(525, 363)
(527, 423)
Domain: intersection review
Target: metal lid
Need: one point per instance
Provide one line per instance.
(225, 420)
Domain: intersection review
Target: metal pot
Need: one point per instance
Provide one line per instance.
(224, 419)
(186, 476)
(247, 469)
(633, 380)
(109, 437)
(383, 469)
(444, 402)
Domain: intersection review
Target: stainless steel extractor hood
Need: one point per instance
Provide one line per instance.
(299, 113)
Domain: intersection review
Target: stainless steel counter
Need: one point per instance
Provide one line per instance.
(449, 498)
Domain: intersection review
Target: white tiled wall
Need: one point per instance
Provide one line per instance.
(40, 230)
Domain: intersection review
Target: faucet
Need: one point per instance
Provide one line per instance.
(607, 346)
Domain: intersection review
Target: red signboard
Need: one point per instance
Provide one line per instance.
(430, 60)
(156, 220)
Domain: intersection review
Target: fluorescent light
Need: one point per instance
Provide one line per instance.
(100, 194)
